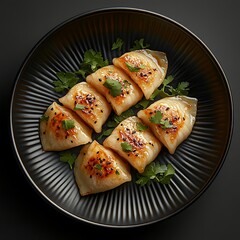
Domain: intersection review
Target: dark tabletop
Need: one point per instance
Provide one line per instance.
(26, 215)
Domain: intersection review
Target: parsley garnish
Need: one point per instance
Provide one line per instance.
(79, 107)
(98, 166)
(154, 94)
(124, 115)
(139, 44)
(114, 121)
(106, 133)
(67, 124)
(68, 157)
(44, 118)
(118, 44)
(65, 81)
(168, 90)
(143, 103)
(91, 62)
(126, 147)
(182, 89)
(133, 68)
(156, 172)
(114, 86)
(157, 119)
(141, 127)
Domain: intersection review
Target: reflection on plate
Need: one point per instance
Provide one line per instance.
(196, 161)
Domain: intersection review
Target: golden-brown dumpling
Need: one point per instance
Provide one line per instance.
(124, 95)
(134, 142)
(146, 67)
(89, 104)
(98, 169)
(61, 129)
(171, 119)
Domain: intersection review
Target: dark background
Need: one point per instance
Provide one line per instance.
(26, 215)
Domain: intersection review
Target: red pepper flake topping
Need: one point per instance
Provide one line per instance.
(57, 126)
(87, 100)
(100, 166)
(132, 139)
(169, 115)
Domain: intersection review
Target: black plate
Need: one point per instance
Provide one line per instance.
(196, 161)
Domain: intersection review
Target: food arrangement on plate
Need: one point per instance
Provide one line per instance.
(132, 105)
(66, 63)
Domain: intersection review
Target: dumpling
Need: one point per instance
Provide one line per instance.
(98, 169)
(171, 119)
(146, 67)
(134, 141)
(89, 104)
(61, 129)
(118, 88)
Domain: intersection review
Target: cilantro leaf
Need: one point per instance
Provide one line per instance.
(182, 89)
(44, 118)
(98, 166)
(133, 68)
(141, 127)
(168, 90)
(65, 81)
(79, 106)
(112, 124)
(67, 124)
(92, 61)
(166, 124)
(139, 44)
(157, 119)
(117, 44)
(68, 157)
(143, 103)
(126, 147)
(114, 86)
(165, 84)
(155, 94)
(168, 80)
(168, 174)
(114, 121)
(124, 115)
(106, 133)
(156, 172)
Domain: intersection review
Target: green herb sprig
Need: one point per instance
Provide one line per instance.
(156, 172)
(165, 90)
(139, 44)
(168, 90)
(65, 81)
(91, 62)
(68, 157)
(126, 147)
(157, 119)
(117, 44)
(68, 124)
(114, 121)
(114, 86)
